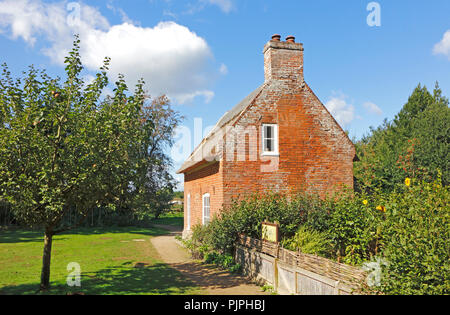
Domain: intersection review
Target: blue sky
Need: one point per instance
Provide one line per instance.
(207, 54)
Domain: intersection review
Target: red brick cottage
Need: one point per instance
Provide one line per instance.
(280, 138)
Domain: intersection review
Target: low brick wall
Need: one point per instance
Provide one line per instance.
(296, 273)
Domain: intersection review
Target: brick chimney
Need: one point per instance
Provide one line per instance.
(283, 60)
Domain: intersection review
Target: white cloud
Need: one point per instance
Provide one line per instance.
(225, 5)
(186, 98)
(171, 58)
(443, 47)
(373, 108)
(344, 113)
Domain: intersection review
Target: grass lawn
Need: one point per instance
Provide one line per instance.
(171, 218)
(112, 260)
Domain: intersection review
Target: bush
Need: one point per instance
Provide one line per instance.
(223, 261)
(308, 241)
(199, 243)
(355, 227)
(408, 230)
(245, 217)
(416, 241)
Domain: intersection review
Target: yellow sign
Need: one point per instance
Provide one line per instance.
(270, 232)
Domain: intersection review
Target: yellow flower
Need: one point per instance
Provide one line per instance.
(381, 208)
(408, 182)
(365, 202)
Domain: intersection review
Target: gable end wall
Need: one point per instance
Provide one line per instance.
(315, 154)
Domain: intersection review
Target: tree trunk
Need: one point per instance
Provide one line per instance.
(46, 257)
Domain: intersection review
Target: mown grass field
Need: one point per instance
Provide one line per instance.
(171, 218)
(112, 260)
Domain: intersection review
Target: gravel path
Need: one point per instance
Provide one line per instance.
(212, 280)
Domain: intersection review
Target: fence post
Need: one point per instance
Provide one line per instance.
(275, 274)
(337, 288)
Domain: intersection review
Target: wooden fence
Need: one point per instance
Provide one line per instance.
(295, 272)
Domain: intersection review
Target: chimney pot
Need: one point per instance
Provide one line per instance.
(290, 39)
(276, 37)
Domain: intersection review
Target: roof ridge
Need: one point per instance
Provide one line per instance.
(223, 121)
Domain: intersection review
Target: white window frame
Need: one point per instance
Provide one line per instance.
(275, 152)
(188, 208)
(206, 219)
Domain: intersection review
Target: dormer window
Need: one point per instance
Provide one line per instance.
(269, 139)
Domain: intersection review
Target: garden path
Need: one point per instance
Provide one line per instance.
(211, 280)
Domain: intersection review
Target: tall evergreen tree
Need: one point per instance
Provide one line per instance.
(414, 144)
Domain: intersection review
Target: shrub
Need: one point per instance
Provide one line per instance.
(355, 227)
(199, 243)
(317, 211)
(308, 241)
(245, 217)
(223, 261)
(200, 234)
(407, 229)
(416, 241)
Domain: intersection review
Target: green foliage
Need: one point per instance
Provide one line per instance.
(62, 145)
(153, 183)
(199, 243)
(66, 148)
(355, 227)
(245, 217)
(172, 218)
(416, 236)
(178, 194)
(308, 241)
(408, 228)
(201, 247)
(415, 144)
(268, 288)
(225, 262)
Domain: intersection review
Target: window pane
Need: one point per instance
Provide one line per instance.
(269, 145)
(206, 209)
(269, 140)
(269, 133)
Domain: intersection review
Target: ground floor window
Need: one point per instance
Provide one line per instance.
(206, 209)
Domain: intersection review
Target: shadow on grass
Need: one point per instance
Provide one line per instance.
(21, 236)
(149, 231)
(158, 279)
(26, 236)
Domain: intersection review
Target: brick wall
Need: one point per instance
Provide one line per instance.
(315, 155)
(207, 179)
